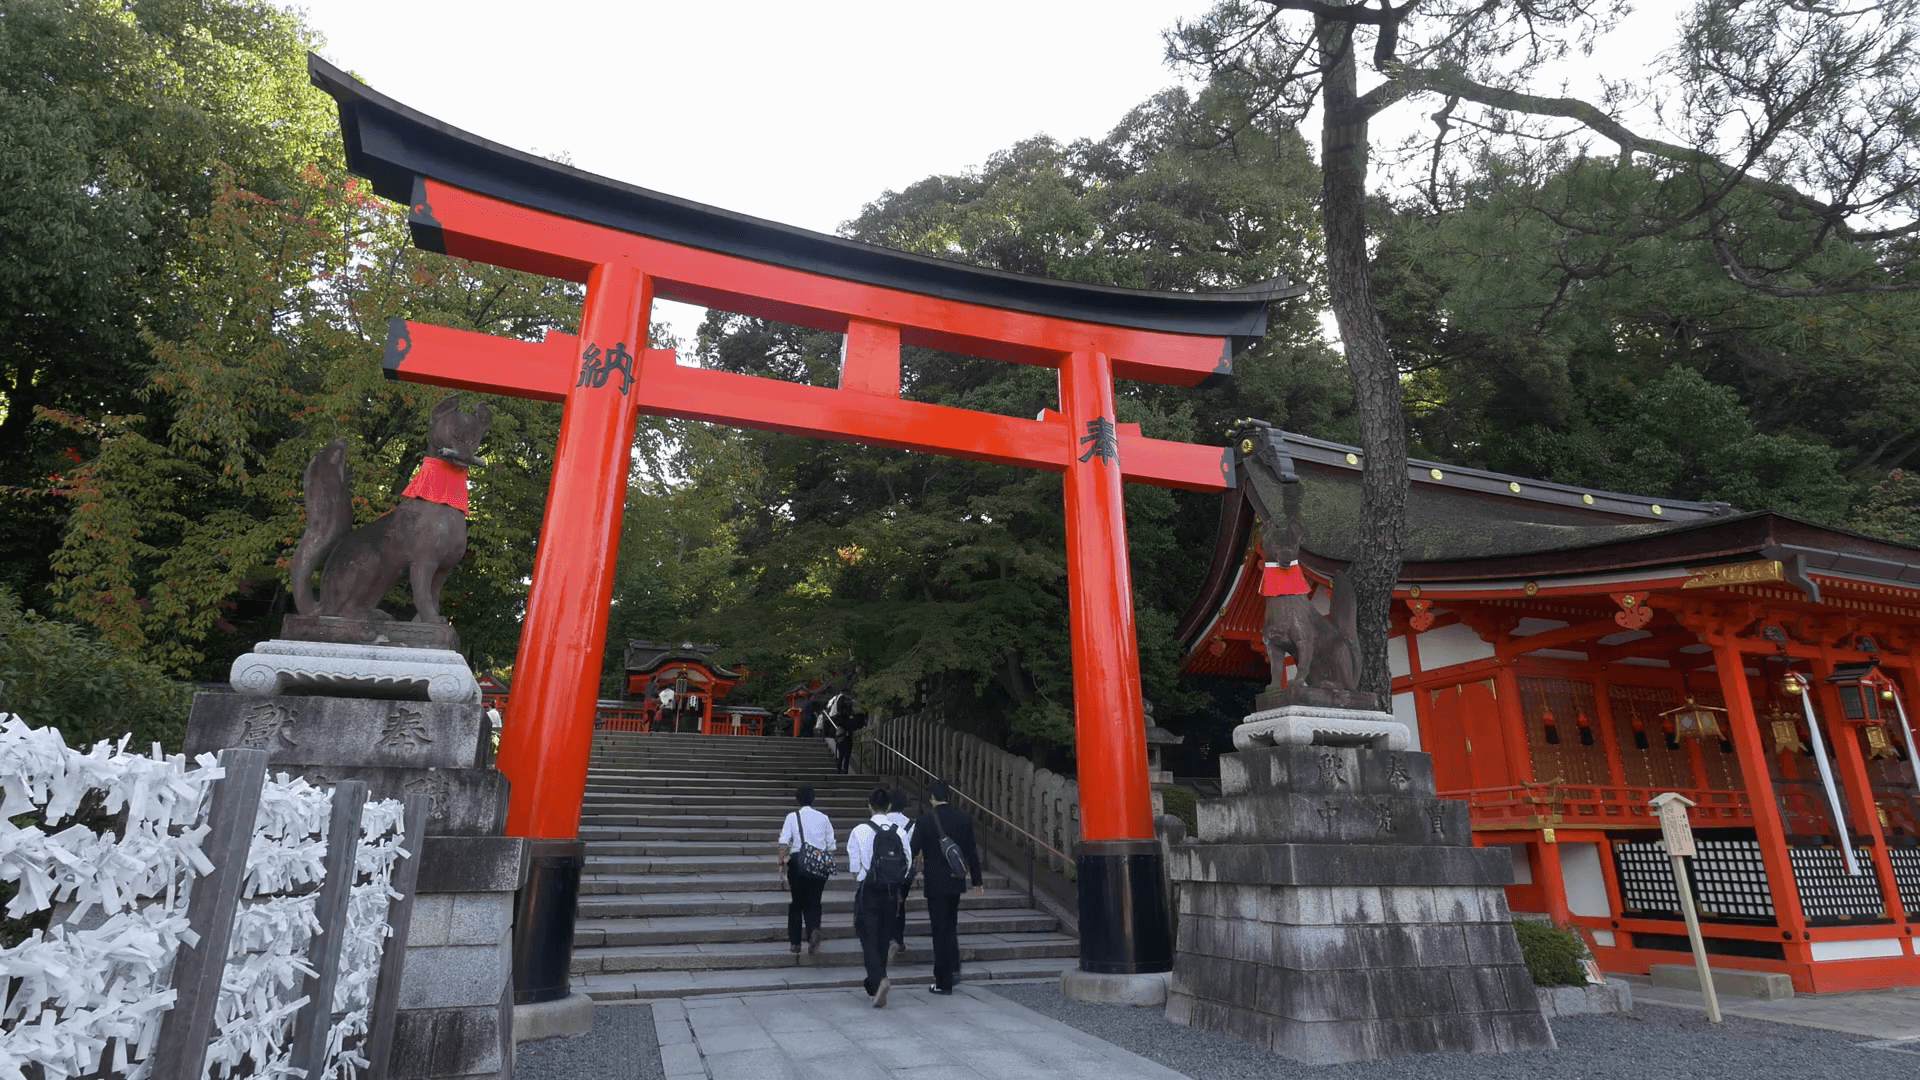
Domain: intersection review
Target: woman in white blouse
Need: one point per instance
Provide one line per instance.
(811, 828)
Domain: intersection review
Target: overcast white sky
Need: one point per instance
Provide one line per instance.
(801, 113)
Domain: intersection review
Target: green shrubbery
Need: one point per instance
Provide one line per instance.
(57, 675)
(1184, 803)
(1553, 953)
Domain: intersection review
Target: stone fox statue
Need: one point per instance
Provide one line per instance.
(1323, 648)
(420, 540)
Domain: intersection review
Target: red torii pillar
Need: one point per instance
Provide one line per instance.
(629, 246)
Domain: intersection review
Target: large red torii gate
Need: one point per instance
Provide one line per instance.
(484, 202)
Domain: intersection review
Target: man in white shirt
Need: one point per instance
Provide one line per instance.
(877, 856)
(814, 829)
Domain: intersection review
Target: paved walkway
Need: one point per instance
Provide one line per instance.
(839, 1035)
(1892, 1015)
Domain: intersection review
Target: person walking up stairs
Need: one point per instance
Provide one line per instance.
(878, 860)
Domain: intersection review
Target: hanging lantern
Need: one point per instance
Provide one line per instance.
(1694, 720)
(1786, 733)
(1859, 687)
(1550, 726)
(1639, 727)
(1878, 744)
(1581, 721)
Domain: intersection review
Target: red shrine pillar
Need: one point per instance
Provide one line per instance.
(1124, 922)
(548, 737)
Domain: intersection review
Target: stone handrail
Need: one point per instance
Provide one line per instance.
(1019, 798)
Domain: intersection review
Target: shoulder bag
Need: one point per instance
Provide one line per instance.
(809, 861)
(956, 859)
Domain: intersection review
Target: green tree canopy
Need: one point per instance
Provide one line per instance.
(177, 536)
(117, 122)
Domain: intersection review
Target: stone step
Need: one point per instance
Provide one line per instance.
(810, 752)
(653, 985)
(744, 834)
(626, 815)
(669, 796)
(772, 785)
(679, 849)
(762, 903)
(837, 952)
(607, 879)
(785, 779)
(594, 823)
(695, 742)
(1732, 982)
(681, 930)
(737, 783)
(803, 771)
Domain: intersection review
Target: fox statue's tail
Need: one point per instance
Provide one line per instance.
(329, 514)
(1344, 613)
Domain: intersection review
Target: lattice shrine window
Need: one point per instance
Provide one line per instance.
(1566, 748)
(1729, 880)
(1829, 893)
(1646, 878)
(1906, 872)
(1649, 756)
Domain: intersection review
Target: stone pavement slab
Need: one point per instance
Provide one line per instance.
(1892, 1015)
(839, 1035)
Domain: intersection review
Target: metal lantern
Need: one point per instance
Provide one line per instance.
(1694, 720)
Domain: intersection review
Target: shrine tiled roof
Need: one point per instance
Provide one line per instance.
(397, 147)
(1468, 526)
(645, 656)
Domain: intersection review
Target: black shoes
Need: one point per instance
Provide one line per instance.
(943, 991)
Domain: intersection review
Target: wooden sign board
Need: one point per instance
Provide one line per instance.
(1675, 829)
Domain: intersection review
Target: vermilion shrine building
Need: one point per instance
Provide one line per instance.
(697, 683)
(1546, 643)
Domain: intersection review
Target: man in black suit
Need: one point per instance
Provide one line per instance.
(942, 886)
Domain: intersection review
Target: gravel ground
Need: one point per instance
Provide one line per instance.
(621, 1046)
(1652, 1042)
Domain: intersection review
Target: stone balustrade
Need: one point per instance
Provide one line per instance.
(1021, 802)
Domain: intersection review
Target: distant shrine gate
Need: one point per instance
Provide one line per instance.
(480, 201)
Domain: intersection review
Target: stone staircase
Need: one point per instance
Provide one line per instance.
(681, 896)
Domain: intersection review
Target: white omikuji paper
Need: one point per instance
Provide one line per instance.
(381, 836)
(72, 989)
(76, 991)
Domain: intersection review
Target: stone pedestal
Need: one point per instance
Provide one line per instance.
(1319, 725)
(346, 670)
(455, 1019)
(1333, 909)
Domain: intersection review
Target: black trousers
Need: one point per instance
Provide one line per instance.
(805, 906)
(873, 910)
(844, 746)
(944, 913)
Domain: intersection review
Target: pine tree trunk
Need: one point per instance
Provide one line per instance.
(1370, 363)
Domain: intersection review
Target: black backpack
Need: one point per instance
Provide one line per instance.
(891, 868)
